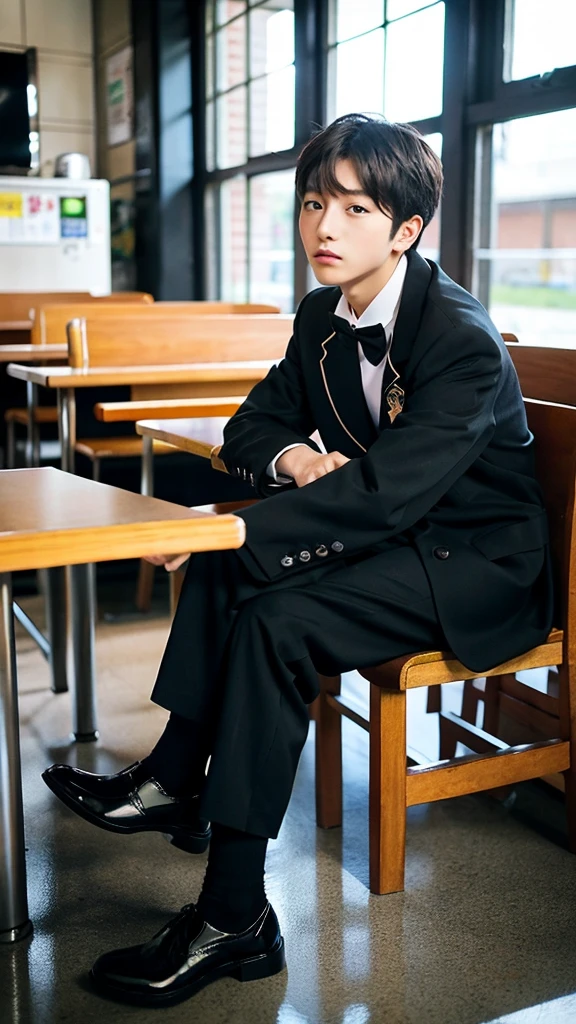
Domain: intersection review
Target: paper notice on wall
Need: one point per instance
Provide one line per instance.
(119, 96)
(28, 218)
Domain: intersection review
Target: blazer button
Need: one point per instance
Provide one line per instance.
(287, 562)
(304, 556)
(252, 479)
(441, 553)
(337, 546)
(321, 551)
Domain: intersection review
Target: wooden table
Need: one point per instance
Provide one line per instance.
(201, 437)
(33, 353)
(50, 518)
(191, 379)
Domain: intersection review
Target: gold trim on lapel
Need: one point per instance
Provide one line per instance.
(334, 409)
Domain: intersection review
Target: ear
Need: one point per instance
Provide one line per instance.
(407, 234)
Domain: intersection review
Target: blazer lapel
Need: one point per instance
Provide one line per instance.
(414, 293)
(342, 380)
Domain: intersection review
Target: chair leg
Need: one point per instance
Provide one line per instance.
(491, 720)
(434, 700)
(387, 814)
(328, 757)
(10, 445)
(144, 586)
(470, 698)
(96, 470)
(567, 709)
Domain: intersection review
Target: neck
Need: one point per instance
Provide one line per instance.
(361, 292)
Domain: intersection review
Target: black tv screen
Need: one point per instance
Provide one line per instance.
(14, 120)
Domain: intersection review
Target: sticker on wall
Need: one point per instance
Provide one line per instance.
(119, 96)
(73, 217)
(30, 217)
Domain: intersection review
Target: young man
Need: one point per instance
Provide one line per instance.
(421, 528)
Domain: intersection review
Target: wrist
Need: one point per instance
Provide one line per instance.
(291, 461)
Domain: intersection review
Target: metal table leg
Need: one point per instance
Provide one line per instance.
(33, 432)
(82, 662)
(54, 587)
(67, 426)
(14, 920)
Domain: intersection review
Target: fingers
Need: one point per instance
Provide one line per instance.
(176, 561)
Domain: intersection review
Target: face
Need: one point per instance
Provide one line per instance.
(347, 237)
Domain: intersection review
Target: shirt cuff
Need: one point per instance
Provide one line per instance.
(281, 478)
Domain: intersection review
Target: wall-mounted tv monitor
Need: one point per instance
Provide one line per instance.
(14, 117)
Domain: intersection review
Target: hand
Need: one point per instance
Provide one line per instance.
(305, 465)
(170, 562)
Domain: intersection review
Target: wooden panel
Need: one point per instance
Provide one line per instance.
(546, 373)
(196, 389)
(198, 437)
(149, 337)
(154, 376)
(475, 773)
(174, 408)
(206, 308)
(50, 319)
(50, 518)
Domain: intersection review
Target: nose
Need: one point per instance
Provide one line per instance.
(327, 225)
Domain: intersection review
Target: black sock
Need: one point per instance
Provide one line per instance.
(178, 761)
(233, 894)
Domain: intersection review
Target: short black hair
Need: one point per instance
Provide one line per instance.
(395, 166)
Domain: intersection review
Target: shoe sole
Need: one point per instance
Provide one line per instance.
(190, 842)
(251, 969)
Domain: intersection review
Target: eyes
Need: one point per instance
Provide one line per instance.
(314, 204)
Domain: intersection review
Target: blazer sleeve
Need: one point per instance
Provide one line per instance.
(447, 421)
(275, 416)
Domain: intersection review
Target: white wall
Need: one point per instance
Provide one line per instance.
(61, 31)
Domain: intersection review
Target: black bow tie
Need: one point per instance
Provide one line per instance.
(372, 339)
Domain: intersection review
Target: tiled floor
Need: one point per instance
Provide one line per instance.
(485, 930)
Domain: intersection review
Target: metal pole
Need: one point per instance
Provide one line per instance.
(82, 668)
(67, 427)
(54, 586)
(33, 433)
(14, 920)
(147, 477)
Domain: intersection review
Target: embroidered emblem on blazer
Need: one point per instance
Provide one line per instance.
(394, 401)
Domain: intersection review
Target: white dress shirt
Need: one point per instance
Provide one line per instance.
(382, 310)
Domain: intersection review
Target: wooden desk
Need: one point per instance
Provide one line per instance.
(20, 326)
(33, 353)
(197, 436)
(50, 518)
(190, 379)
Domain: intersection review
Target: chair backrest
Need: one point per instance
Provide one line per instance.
(22, 305)
(147, 339)
(546, 373)
(554, 429)
(49, 326)
(220, 307)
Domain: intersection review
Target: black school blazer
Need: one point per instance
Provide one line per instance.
(450, 466)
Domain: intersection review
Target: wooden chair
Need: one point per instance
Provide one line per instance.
(512, 709)
(49, 319)
(393, 787)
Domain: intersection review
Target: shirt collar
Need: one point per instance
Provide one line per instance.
(384, 307)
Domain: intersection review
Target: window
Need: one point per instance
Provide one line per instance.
(370, 45)
(539, 40)
(525, 233)
(249, 216)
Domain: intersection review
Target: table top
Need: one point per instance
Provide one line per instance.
(50, 518)
(197, 436)
(33, 353)
(179, 373)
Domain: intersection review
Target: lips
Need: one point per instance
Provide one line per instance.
(325, 255)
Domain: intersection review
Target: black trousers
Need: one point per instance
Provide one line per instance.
(242, 660)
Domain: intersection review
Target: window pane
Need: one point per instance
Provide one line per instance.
(209, 67)
(429, 245)
(209, 15)
(231, 128)
(272, 239)
(227, 9)
(231, 54)
(542, 37)
(355, 90)
(210, 139)
(410, 96)
(233, 235)
(398, 8)
(526, 253)
(353, 18)
(271, 37)
(272, 112)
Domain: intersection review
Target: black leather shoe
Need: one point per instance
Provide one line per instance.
(130, 801)
(187, 954)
